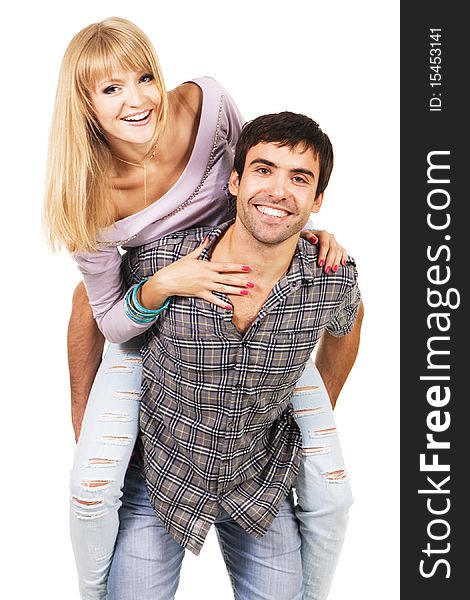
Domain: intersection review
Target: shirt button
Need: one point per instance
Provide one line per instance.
(231, 424)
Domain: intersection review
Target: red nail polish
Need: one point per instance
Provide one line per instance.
(344, 262)
(243, 292)
(321, 263)
(245, 268)
(335, 268)
(228, 307)
(327, 270)
(250, 284)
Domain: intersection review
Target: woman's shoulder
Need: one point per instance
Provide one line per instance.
(199, 96)
(194, 89)
(208, 92)
(187, 99)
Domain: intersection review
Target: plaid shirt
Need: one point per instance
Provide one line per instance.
(217, 426)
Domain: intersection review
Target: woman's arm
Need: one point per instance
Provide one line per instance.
(85, 345)
(187, 276)
(105, 288)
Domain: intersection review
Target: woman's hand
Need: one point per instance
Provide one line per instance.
(189, 276)
(330, 254)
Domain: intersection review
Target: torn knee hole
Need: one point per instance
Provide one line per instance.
(82, 502)
(95, 484)
(119, 440)
(133, 360)
(322, 432)
(306, 388)
(311, 450)
(102, 462)
(335, 476)
(118, 369)
(128, 395)
(300, 412)
(115, 417)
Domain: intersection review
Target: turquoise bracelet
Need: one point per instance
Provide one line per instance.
(141, 309)
(138, 313)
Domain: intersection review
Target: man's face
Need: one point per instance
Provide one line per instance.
(276, 193)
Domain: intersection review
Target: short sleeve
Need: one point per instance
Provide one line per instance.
(345, 316)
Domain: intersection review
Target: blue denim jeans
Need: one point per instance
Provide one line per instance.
(109, 431)
(322, 485)
(147, 561)
(107, 438)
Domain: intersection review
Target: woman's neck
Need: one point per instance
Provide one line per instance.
(125, 154)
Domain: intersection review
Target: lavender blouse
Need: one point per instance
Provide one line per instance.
(199, 197)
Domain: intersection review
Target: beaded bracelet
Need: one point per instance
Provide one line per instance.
(138, 313)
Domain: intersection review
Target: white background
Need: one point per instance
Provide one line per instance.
(336, 62)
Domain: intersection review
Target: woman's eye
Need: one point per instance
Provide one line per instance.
(110, 89)
(147, 77)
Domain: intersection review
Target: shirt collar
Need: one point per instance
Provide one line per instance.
(304, 262)
(214, 235)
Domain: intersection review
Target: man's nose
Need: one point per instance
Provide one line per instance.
(278, 187)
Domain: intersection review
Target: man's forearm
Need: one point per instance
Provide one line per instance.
(336, 356)
(85, 345)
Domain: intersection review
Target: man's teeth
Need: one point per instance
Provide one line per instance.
(139, 117)
(272, 212)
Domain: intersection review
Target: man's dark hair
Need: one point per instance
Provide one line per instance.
(287, 129)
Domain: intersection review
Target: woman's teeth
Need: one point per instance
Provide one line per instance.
(139, 117)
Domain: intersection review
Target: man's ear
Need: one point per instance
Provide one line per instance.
(233, 183)
(317, 203)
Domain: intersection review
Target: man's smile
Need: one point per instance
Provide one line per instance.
(272, 212)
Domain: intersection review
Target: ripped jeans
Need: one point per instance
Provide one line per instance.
(108, 435)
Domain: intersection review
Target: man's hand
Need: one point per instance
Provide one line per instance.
(336, 356)
(85, 345)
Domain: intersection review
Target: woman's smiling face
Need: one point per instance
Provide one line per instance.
(127, 107)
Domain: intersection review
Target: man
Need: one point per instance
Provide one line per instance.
(219, 441)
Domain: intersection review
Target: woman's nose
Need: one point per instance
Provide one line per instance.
(134, 96)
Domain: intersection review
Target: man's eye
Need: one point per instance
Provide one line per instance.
(147, 77)
(263, 170)
(298, 179)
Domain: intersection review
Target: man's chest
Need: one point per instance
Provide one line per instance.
(275, 336)
(247, 308)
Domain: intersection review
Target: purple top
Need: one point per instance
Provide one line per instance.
(199, 197)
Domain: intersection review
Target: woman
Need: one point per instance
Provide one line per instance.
(129, 163)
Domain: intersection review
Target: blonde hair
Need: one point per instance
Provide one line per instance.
(78, 181)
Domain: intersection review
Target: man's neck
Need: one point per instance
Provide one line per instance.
(268, 261)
